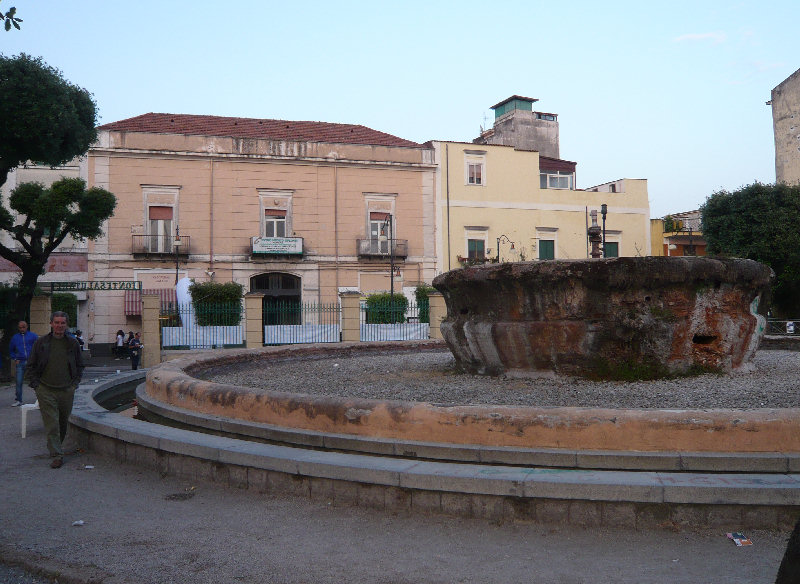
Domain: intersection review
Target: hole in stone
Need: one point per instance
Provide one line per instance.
(647, 299)
(703, 339)
(465, 311)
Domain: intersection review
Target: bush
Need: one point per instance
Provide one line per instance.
(216, 303)
(383, 309)
(65, 302)
(423, 304)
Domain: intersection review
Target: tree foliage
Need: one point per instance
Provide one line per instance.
(385, 308)
(760, 222)
(10, 18)
(44, 117)
(217, 303)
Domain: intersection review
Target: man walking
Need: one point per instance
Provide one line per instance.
(54, 371)
(19, 350)
(135, 348)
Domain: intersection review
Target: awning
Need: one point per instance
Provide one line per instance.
(133, 299)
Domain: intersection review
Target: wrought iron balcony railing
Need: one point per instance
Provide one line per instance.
(376, 248)
(160, 245)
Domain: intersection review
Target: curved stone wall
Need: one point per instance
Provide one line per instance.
(605, 318)
(763, 430)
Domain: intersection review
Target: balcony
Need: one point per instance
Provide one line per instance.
(375, 248)
(277, 246)
(160, 245)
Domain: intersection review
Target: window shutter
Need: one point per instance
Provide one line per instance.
(162, 213)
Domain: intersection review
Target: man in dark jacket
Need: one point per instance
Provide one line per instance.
(54, 371)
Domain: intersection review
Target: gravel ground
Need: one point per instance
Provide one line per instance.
(429, 376)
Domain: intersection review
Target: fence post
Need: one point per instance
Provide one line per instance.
(438, 312)
(351, 316)
(40, 315)
(151, 310)
(254, 320)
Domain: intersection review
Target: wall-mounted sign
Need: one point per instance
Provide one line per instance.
(278, 245)
(85, 286)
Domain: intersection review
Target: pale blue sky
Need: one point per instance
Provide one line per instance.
(671, 92)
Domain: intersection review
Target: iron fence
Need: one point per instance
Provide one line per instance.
(202, 326)
(394, 321)
(293, 322)
(786, 327)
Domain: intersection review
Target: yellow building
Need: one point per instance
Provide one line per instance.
(678, 234)
(510, 202)
(298, 211)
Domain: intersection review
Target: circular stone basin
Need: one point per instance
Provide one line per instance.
(198, 383)
(618, 318)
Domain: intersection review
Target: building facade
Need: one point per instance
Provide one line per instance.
(297, 211)
(678, 234)
(785, 103)
(501, 198)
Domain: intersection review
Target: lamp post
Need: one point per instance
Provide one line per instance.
(388, 222)
(604, 212)
(176, 244)
(507, 240)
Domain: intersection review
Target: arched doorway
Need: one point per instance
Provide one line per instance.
(282, 293)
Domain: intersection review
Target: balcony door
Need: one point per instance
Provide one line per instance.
(378, 222)
(159, 229)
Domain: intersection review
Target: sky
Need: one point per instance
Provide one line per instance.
(671, 92)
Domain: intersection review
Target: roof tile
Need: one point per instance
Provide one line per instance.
(195, 125)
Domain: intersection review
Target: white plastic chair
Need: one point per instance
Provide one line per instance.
(24, 409)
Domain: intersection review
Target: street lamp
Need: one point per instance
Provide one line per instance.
(176, 245)
(507, 240)
(604, 212)
(382, 237)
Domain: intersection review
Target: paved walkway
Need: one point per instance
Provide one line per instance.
(139, 527)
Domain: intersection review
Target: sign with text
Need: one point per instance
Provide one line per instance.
(278, 245)
(87, 286)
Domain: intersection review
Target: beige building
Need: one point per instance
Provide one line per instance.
(786, 126)
(500, 197)
(297, 211)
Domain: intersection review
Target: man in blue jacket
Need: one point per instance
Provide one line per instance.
(19, 351)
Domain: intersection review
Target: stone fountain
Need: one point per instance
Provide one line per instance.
(619, 318)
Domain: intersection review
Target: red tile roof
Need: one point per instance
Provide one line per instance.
(254, 128)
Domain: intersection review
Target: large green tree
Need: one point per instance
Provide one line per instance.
(760, 222)
(48, 120)
(44, 117)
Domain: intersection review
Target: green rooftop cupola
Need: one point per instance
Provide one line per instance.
(515, 102)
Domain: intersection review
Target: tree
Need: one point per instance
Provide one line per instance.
(760, 222)
(10, 18)
(39, 220)
(44, 118)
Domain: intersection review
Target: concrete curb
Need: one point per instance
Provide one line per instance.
(758, 462)
(585, 497)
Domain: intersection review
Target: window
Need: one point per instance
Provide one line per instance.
(547, 249)
(274, 223)
(475, 167)
(379, 232)
(159, 229)
(475, 173)
(548, 117)
(556, 179)
(476, 249)
(611, 249)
